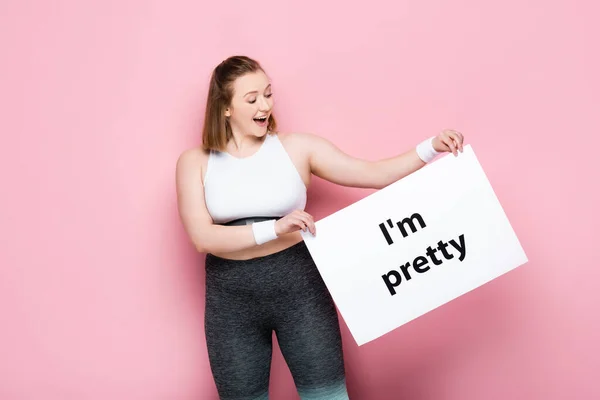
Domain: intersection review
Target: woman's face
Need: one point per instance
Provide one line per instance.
(251, 105)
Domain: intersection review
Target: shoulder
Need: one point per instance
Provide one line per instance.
(300, 140)
(309, 144)
(192, 161)
(192, 156)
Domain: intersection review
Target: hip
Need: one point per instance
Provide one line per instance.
(288, 272)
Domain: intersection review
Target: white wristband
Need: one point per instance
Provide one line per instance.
(264, 231)
(425, 150)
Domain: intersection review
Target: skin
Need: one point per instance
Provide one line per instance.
(310, 154)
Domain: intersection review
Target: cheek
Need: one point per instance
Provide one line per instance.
(243, 113)
(249, 113)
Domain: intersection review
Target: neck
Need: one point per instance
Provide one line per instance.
(242, 142)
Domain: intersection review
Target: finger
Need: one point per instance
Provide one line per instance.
(300, 223)
(313, 228)
(456, 142)
(450, 143)
(313, 225)
(307, 215)
(304, 216)
(448, 140)
(458, 138)
(308, 219)
(309, 223)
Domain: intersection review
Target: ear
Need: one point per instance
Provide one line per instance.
(227, 112)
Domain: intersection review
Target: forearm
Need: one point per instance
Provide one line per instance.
(389, 170)
(224, 239)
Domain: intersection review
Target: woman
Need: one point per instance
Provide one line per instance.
(241, 199)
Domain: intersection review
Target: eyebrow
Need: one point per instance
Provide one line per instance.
(254, 91)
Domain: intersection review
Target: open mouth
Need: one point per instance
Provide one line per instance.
(261, 121)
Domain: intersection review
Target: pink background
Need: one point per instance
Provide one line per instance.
(101, 294)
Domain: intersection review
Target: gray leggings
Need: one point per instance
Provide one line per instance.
(283, 292)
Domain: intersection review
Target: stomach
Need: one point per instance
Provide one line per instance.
(265, 249)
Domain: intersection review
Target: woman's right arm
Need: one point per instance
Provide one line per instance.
(206, 236)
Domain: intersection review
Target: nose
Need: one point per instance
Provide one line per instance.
(264, 104)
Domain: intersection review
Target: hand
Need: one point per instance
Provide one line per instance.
(295, 221)
(449, 140)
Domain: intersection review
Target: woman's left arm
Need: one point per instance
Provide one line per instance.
(330, 163)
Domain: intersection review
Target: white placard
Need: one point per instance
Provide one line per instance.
(415, 245)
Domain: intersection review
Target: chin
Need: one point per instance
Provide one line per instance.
(261, 132)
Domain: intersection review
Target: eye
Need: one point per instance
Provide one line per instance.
(268, 96)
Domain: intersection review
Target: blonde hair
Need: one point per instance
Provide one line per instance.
(216, 131)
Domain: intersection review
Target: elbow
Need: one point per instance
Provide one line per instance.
(376, 176)
(203, 239)
(378, 181)
(201, 245)
(380, 185)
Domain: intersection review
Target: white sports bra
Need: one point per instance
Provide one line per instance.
(265, 184)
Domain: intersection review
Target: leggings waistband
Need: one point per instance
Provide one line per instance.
(294, 251)
(248, 221)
